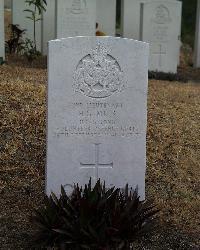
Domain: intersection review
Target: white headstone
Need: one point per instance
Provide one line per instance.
(131, 18)
(106, 16)
(48, 24)
(97, 112)
(2, 43)
(197, 38)
(19, 17)
(76, 18)
(160, 26)
(130, 15)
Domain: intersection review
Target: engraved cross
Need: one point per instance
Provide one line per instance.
(160, 53)
(96, 165)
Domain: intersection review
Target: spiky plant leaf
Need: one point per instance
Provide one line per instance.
(93, 218)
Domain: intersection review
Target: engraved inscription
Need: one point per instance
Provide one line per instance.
(75, 20)
(160, 33)
(78, 6)
(97, 119)
(98, 75)
(97, 164)
(162, 15)
(76, 25)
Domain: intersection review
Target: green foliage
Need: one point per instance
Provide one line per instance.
(15, 43)
(29, 50)
(35, 14)
(38, 4)
(93, 218)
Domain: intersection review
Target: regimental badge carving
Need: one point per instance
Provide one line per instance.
(98, 74)
(162, 15)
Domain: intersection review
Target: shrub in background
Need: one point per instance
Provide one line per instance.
(171, 77)
(29, 50)
(92, 218)
(15, 42)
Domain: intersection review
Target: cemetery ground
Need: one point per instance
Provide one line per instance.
(173, 158)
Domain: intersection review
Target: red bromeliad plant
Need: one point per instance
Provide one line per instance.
(93, 218)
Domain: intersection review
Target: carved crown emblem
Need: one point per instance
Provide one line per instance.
(162, 15)
(98, 74)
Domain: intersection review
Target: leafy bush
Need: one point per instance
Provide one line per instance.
(15, 43)
(92, 218)
(29, 50)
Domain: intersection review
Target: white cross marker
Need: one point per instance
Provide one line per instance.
(160, 53)
(96, 165)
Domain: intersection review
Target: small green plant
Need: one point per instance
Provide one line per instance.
(93, 218)
(15, 43)
(35, 15)
(29, 50)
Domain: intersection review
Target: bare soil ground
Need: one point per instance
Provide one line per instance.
(173, 158)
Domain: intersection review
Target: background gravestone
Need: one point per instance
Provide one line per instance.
(48, 24)
(2, 46)
(160, 26)
(106, 16)
(19, 17)
(97, 112)
(76, 18)
(130, 16)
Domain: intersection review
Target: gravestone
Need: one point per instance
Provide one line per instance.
(19, 17)
(2, 46)
(106, 16)
(131, 18)
(97, 112)
(130, 15)
(160, 27)
(48, 24)
(76, 18)
(197, 38)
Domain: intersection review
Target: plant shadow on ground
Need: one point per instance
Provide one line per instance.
(173, 158)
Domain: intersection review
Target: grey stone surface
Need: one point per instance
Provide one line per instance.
(130, 15)
(106, 16)
(97, 112)
(48, 24)
(76, 18)
(2, 46)
(8, 4)
(160, 27)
